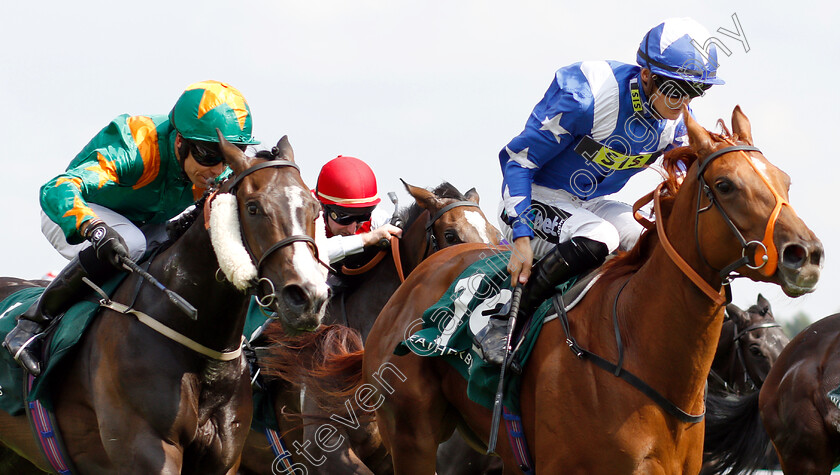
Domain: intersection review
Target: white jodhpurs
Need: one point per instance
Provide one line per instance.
(137, 239)
(560, 216)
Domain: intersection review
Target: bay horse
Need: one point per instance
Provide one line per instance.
(796, 405)
(439, 218)
(135, 401)
(730, 211)
(750, 342)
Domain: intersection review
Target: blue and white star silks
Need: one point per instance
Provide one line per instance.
(589, 99)
(553, 125)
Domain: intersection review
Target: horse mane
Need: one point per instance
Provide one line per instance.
(178, 225)
(675, 163)
(445, 190)
(324, 359)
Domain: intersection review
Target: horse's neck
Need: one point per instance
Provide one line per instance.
(414, 245)
(675, 333)
(188, 267)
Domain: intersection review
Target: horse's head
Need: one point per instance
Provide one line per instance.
(277, 215)
(744, 220)
(757, 338)
(454, 218)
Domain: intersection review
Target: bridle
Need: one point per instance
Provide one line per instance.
(749, 380)
(231, 186)
(765, 251)
(737, 340)
(431, 240)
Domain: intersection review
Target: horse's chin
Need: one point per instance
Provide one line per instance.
(797, 283)
(295, 324)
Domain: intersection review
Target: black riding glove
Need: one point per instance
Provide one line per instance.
(107, 243)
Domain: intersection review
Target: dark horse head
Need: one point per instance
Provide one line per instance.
(276, 214)
(750, 342)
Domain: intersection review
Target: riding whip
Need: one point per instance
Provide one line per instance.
(500, 390)
(176, 299)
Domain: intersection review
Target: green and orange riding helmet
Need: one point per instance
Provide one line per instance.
(209, 105)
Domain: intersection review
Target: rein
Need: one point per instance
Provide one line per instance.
(431, 243)
(395, 251)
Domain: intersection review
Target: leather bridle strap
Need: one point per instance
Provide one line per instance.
(231, 186)
(765, 252)
(431, 242)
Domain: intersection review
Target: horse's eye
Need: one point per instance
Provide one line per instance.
(451, 237)
(724, 186)
(252, 208)
(755, 350)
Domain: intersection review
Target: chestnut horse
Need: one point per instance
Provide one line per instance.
(135, 401)
(438, 219)
(750, 342)
(797, 405)
(577, 417)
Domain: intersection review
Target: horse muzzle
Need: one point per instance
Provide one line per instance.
(301, 306)
(799, 268)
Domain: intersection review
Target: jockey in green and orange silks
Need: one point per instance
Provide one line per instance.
(113, 200)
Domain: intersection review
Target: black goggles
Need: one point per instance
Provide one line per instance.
(342, 218)
(207, 154)
(676, 89)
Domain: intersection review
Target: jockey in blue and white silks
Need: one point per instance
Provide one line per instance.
(585, 139)
(599, 123)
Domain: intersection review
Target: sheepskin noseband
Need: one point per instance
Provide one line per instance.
(226, 237)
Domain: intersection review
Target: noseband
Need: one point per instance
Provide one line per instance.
(431, 240)
(268, 299)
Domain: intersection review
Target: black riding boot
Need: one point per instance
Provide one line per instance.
(565, 261)
(59, 295)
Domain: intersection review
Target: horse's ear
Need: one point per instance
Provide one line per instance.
(424, 198)
(284, 149)
(741, 125)
(235, 158)
(763, 305)
(472, 195)
(737, 315)
(699, 138)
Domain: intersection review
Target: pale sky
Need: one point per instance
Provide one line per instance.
(425, 90)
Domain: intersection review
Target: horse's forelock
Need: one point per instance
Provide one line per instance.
(447, 190)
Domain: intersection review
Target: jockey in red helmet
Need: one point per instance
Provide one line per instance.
(347, 191)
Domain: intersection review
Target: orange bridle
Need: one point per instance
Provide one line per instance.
(765, 251)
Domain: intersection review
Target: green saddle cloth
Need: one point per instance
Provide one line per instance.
(449, 325)
(67, 333)
(264, 417)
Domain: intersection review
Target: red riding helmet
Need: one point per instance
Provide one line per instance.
(347, 182)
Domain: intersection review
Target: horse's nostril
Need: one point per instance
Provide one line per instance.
(295, 296)
(817, 256)
(794, 255)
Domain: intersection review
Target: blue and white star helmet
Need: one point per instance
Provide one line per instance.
(667, 50)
